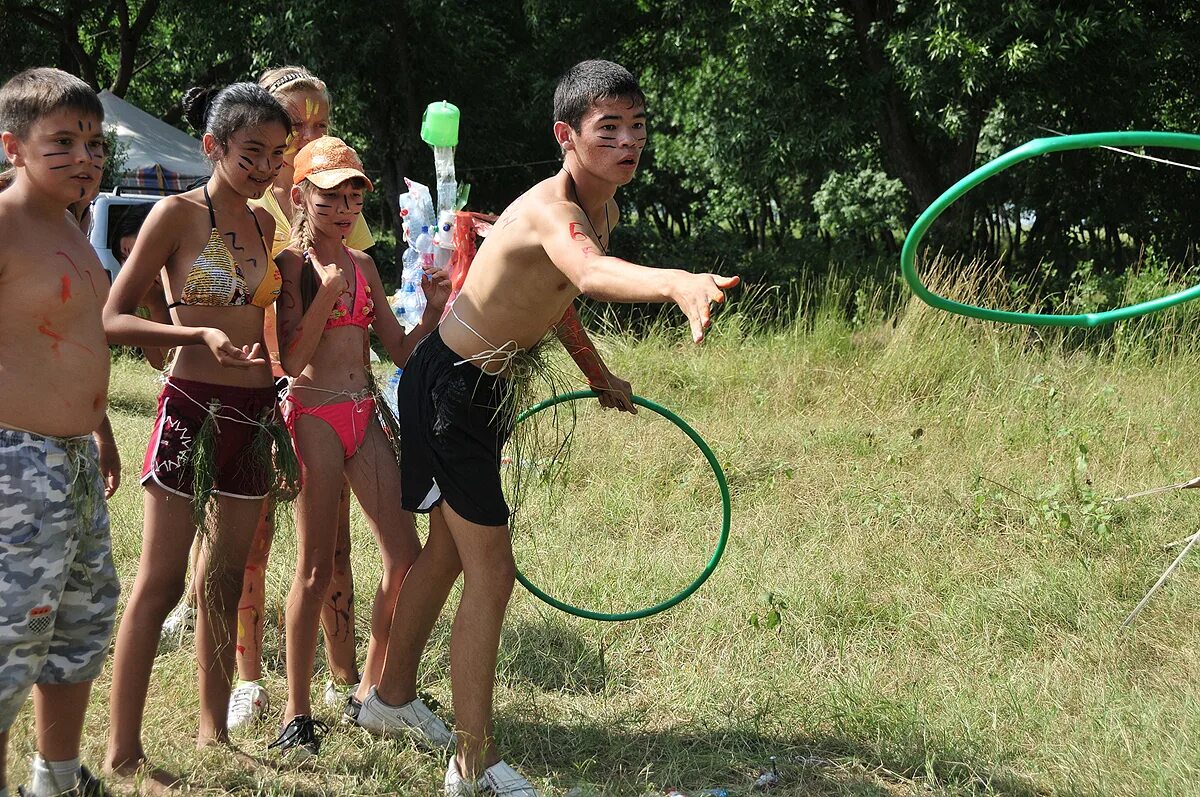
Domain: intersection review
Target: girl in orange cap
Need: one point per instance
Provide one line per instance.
(326, 305)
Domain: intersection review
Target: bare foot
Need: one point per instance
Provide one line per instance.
(137, 777)
(211, 739)
(249, 761)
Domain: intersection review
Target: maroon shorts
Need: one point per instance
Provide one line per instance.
(240, 413)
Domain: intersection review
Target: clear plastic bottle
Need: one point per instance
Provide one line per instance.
(447, 188)
(389, 395)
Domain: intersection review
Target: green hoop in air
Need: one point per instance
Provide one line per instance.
(1040, 146)
(726, 514)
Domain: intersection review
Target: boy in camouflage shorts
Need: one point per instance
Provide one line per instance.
(58, 588)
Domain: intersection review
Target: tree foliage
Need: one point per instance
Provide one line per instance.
(777, 126)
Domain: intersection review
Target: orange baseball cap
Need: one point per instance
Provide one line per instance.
(328, 162)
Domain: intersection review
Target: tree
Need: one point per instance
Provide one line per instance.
(101, 40)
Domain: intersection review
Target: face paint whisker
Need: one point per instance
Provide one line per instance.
(64, 166)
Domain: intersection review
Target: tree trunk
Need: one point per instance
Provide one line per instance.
(903, 154)
(130, 37)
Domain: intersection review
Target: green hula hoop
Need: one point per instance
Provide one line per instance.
(1031, 149)
(726, 513)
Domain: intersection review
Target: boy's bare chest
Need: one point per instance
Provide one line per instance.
(55, 279)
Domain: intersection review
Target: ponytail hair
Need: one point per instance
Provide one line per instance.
(302, 236)
(221, 113)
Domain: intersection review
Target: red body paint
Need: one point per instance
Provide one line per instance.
(577, 234)
(79, 273)
(66, 288)
(58, 339)
(572, 336)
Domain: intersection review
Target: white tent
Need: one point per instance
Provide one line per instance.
(154, 148)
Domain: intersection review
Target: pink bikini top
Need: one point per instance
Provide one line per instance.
(359, 314)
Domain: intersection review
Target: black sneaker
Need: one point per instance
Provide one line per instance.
(302, 736)
(351, 709)
(90, 785)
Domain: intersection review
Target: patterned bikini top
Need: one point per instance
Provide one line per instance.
(361, 312)
(216, 279)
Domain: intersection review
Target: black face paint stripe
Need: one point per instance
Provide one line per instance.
(607, 146)
(607, 138)
(64, 166)
(55, 154)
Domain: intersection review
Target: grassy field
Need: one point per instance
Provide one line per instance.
(919, 502)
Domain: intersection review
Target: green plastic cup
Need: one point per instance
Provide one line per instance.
(439, 124)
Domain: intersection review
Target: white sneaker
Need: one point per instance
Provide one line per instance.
(181, 621)
(499, 779)
(336, 696)
(248, 703)
(413, 720)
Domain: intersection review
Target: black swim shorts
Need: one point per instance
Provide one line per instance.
(451, 435)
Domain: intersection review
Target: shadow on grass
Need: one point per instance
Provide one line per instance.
(553, 657)
(608, 760)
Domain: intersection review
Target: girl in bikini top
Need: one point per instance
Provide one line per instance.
(216, 279)
(361, 312)
(331, 399)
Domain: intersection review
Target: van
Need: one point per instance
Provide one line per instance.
(110, 212)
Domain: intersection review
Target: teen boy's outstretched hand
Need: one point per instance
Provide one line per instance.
(229, 355)
(695, 294)
(566, 235)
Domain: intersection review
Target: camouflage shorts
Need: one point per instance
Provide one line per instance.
(58, 588)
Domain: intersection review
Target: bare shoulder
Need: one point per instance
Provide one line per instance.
(9, 219)
(10, 224)
(289, 259)
(531, 205)
(265, 220)
(173, 208)
(363, 261)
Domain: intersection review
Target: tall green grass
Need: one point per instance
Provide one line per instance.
(921, 595)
